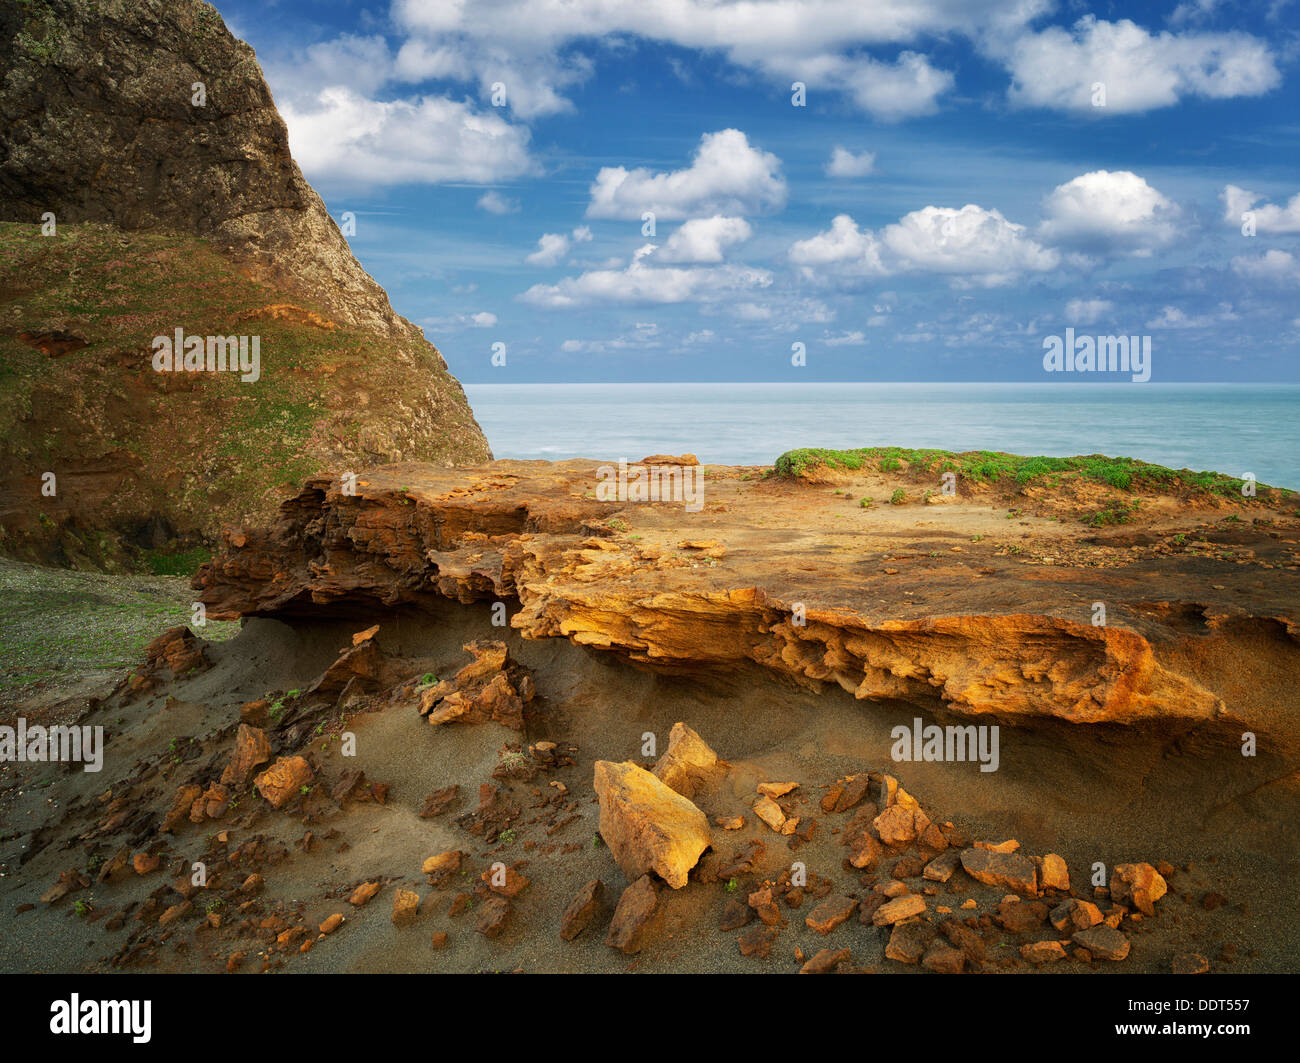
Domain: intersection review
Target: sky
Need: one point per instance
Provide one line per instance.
(808, 190)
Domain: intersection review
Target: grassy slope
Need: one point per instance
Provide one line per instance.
(207, 448)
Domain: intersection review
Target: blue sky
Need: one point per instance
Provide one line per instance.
(955, 190)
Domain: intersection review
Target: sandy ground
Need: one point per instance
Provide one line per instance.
(1090, 794)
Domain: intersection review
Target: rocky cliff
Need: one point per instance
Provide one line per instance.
(174, 213)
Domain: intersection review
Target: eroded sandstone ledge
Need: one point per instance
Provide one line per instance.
(910, 602)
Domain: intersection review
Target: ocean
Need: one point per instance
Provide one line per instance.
(1227, 428)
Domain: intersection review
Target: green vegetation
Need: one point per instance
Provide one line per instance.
(176, 563)
(58, 623)
(898, 497)
(988, 466)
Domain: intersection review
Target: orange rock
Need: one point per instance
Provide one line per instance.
(406, 906)
(647, 825)
(144, 863)
(283, 780)
(363, 893)
(688, 764)
(252, 750)
(332, 923)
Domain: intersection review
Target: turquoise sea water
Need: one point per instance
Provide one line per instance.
(1229, 428)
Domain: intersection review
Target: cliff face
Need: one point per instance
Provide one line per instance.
(99, 126)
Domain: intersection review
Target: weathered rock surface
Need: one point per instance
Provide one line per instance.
(647, 826)
(634, 916)
(284, 780)
(530, 533)
(688, 764)
(1010, 870)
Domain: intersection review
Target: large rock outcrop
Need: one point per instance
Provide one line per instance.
(781, 582)
(175, 215)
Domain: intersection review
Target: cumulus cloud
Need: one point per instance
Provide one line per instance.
(704, 239)
(1268, 218)
(971, 241)
(1273, 267)
(980, 245)
(343, 135)
(726, 176)
(640, 283)
(819, 42)
(843, 163)
(495, 203)
(844, 247)
(552, 247)
(1058, 67)
(1110, 211)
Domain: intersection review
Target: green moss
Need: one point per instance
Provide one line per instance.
(989, 466)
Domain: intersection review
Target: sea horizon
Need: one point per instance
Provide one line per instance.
(1233, 427)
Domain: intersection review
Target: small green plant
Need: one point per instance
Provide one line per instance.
(1180, 539)
(977, 537)
(732, 885)
(1012, 514)
(304, 789)
(1015, 548)
(82, 908)
(427, 680)
(596, 841)
(506, 837)
(865, 502)
(890, 465)
(897, 498)
(616, 524)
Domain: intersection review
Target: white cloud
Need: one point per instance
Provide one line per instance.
(844, 247)
(905, 89)
(843, 163)
(820, 42)
(980, 245)
(551, 247)
(1113, 211)
(639, 283)
(845, 339)
(1268, 218)
(343, 135)
(482, 319)
(1057, 68)
(1274, 266)
(972, 241)
(1087, 311)
(495, 203)
(726, 176)
(1170, 317)
(704, 239)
